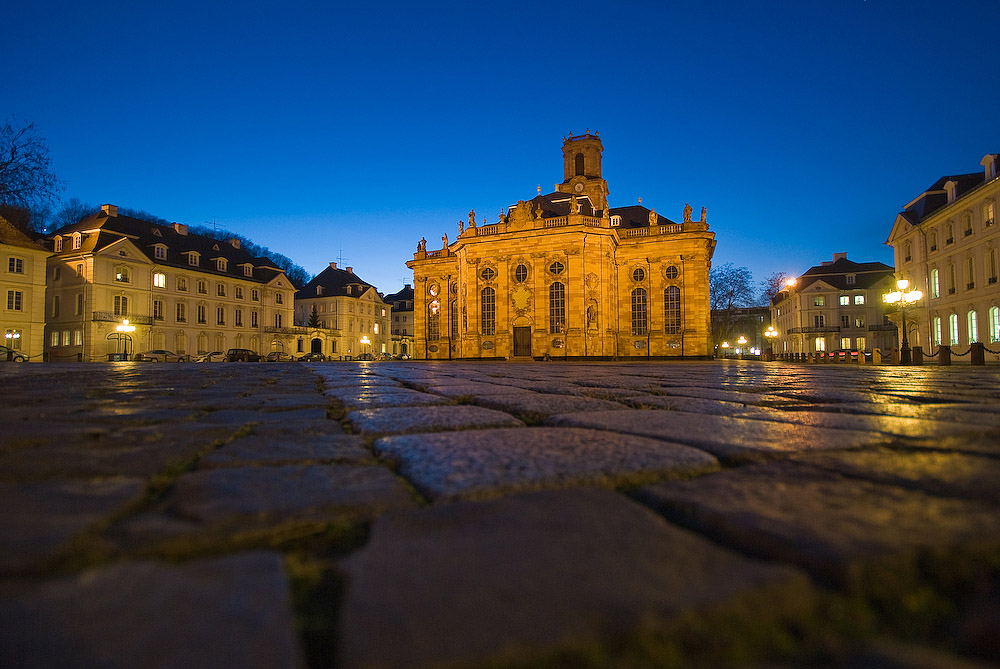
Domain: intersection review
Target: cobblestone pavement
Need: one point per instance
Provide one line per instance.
(500, 514)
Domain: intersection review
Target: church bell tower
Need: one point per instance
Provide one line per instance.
(582, 169)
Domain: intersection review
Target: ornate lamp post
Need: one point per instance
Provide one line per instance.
(770, 334)
(742, 341)
(124, 331)
(10, 338)
(725, 349)
(903, 298)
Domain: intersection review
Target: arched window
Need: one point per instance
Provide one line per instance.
(488, 311)
(973, 322)
(579, 164)
(640, 321)
(557, 308)
(433, 320)
(672, 310)
(452, 317)
(994, 324)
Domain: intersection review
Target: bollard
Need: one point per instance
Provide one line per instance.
(917, 354)
(944, 355)
(876, 356)
(977, 353)
(895, 357)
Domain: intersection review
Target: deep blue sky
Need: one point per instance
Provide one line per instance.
(327, 129)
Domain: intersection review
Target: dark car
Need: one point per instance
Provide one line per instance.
(12, 355)
(241, 355)
(366, 356)
(312, 357)
(278, 356)
(160, 355)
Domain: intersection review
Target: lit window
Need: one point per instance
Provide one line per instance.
(375, 326)
(640, 322)
(65, 338)
(16, 265)
(859, 321)
(159, 280)
(994, 324)
(859, 299)
(78, 338)
(54, 339)
(818, 301)
(121, 274)
(973, 322)
(861, 344)
(935, 283)
(845, 343)
(845, 300)
(820, 344)
(672, 310)
(953, 329)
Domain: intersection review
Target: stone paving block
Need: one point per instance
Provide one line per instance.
(535, 406)
(233, 611)
(488, 463)
(940, 473)
(287, 447)
(334, 377)
(819, 520)
(517, 579)
(395, 420)
(37, 518)
(725, 437)
(695, 405)
(315, 491)
(372, 397)
(462, 388)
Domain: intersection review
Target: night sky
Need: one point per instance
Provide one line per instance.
(351, 130)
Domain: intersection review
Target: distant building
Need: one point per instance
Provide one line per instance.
(729, 324)
(402, 321)
(565, 275)
(22, 289)
(946, 243)
(183, 292)
(352, 319)
(835, 306)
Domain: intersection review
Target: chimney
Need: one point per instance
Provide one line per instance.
(406, 286)
(333, 265)
(235, 242)
(110, 209)
(351, 270)
(839, 256)
(180, 228)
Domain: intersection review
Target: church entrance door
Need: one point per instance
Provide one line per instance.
(316, 346)
(522, 341)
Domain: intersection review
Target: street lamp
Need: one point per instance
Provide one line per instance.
(11, 339)
(364, 341)
(725, 349)
(903, 298)
(770, 333)
(742, 341)
(124, 330)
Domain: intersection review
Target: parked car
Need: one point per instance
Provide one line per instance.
(366, 356)
(160, 355)
(241, 355)
(12, 355)
(278, 356)
(312, 357)
(214, 356)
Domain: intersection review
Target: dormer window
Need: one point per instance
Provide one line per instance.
(248, 270)
(160, 252)
(616, 220)
(193, 258)
(58, 245)
(221, 264)
(319, 290)
(951, 188)
(77, 240)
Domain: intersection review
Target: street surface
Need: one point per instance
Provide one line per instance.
(499, 514)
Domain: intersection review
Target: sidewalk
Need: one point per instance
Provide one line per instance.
(458, 514)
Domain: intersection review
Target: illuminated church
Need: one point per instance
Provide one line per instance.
(564, 275)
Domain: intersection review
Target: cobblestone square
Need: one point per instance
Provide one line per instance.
(402, 514)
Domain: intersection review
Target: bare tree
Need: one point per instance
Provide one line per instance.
(71, 212)
(26, 177)
(731, 287)
(771, 286)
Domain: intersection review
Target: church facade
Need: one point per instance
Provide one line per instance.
(564, 275)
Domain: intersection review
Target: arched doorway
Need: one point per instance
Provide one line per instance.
(316, 345)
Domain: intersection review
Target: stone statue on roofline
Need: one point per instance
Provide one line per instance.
(472, 218)
(687, 213)
(704, 214)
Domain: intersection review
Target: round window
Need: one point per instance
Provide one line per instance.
(433, 289)
(556, 267)
(638, 274)
(671, 272)
(488, 274)
(454, 289)
(520, 273)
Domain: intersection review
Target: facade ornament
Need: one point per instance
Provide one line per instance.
(687, 213)
(574, 205)
(704, 213)
(652, 217)
(503, 216)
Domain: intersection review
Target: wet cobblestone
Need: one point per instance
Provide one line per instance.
(459, 514)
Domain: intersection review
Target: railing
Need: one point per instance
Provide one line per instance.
(110, 317)
(881, 328)
(556, 222)
(295, 329)
(488, 230)
(636, 232)
(673, 227)
(815, 329)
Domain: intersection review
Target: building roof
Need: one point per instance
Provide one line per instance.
(558, 204)
(637, 216)
(402, 296)
(101, 229)
(11, 236)
(867, 274)
(334, 282)
(936, 197)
